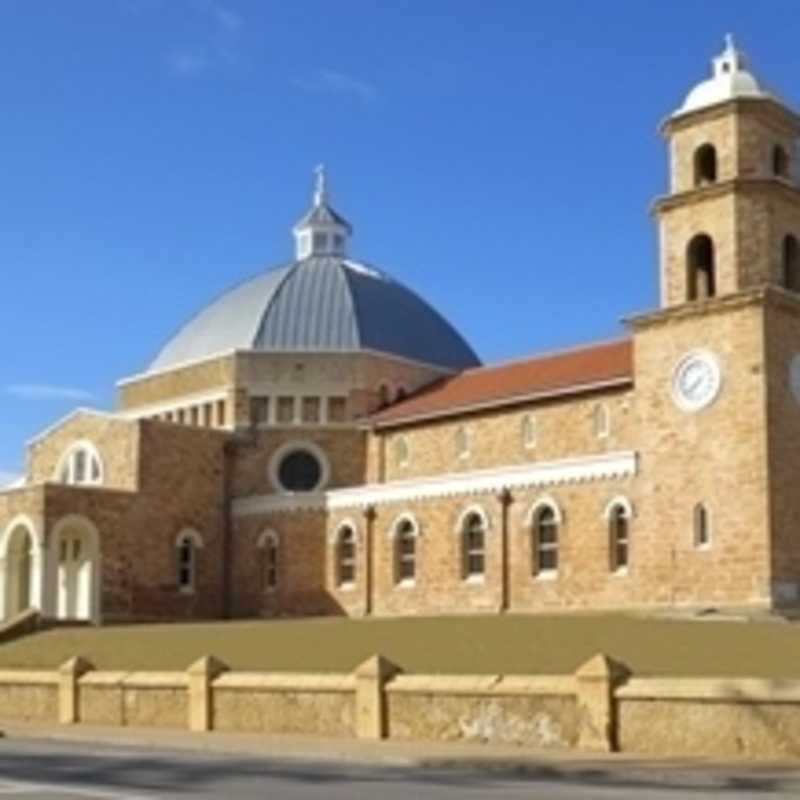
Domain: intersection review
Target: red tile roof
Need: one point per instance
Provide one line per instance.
(567, 372)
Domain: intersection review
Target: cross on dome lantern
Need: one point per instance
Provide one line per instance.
(322, 231)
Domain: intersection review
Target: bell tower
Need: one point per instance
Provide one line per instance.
(731, 220)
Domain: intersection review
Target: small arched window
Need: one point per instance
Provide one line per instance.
(601, 421)
(346, 556)
(186, 545)
(791, 264)
(405, 551)
(618, 537)
(528, 431)
(702, 526)
(462, 442)
(402, 452)
(384, 395)
(544, 541)
(268, 546)
(705, 165)
(473, 545)
(81, 466)
(701, 274)
(780, 162)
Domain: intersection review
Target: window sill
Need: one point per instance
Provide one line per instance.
(346, 587)
(621, 572)
(546, 575)
(408, 583)
(702, 548)
(475, 579)
(186, 589)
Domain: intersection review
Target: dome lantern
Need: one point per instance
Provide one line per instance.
(321, 232)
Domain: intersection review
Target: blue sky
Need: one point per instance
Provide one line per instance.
(498, 157)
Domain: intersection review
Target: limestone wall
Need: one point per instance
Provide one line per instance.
(599, 707)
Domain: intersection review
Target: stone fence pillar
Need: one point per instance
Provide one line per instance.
(68, 675)
(371, 679)
(596, 682)
(200, 675)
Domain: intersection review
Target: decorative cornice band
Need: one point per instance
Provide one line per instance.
(603, 466)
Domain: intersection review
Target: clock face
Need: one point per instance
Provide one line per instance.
(794, 376)
(696, 381)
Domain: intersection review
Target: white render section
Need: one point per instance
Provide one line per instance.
(603, 466)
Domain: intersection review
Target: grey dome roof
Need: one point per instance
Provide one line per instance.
(320, 304)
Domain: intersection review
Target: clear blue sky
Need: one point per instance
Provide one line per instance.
(497, 157)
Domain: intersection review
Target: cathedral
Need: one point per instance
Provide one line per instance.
(320, 441)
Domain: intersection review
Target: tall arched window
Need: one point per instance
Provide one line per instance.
(705, 165)
(268, 546)
(702, 526)
(346, 556)
(618, 536)
(791, 264)
(780, 162)
(473, 545)
(81, 465)
(186, 545)
(405, 551)
(544, 540)
(701, 274)
(601, 420)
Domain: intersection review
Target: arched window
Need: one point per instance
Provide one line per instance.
(528, 431)
(701, 283)
(346, 556)
(462, 442)
(618, 536)
(81, 465)
(187, 544)
(705, 165)
(601, 421)
(473, 545)
(405, 551)
(268, 546)
(791, 264)
(544, 540)
(702, 526)
(780, 162)
(402, 452)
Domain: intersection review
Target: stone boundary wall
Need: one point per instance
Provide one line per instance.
(599, 707)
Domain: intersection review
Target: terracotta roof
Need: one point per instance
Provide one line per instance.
(567, 372)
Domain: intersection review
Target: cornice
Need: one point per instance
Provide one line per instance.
(581, 469)
(784, 187)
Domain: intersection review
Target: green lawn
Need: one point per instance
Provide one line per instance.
(511, 645)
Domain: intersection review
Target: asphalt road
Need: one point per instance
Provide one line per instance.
(33, 770)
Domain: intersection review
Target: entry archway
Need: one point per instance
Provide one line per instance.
(75, 548)
(20, 556)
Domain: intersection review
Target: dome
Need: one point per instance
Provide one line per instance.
(730, 80)
(321, 303)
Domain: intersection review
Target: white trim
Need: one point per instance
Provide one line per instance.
(20, 521)
(336, 532)
(541, 503)
(268, 535)
(87, 446)
(509, 400)
(191, 534)
(405, 516)
(50, 597)
(289, 447)
(582, 469)
(474, 508)
(92, 412)
(178, 402)
(710, 360)
(619, 500)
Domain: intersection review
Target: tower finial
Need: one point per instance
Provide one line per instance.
(320, 185)
(729, 42)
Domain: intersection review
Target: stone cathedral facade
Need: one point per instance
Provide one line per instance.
(319, 440)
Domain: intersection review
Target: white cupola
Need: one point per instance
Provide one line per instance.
(321, 232)
(730, 79)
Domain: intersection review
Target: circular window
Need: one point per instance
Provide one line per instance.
(299, 471)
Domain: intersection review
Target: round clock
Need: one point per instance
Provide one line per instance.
(794, 376)
(696, 380)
